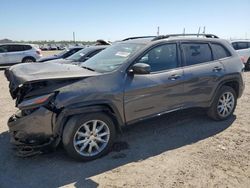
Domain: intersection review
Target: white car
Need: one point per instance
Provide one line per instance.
(18, 53)
(243, 49)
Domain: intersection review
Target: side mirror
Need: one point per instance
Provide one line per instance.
(140, 68)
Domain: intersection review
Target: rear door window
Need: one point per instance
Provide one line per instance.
(26, 47)
(14, 48)
(196, 53)
(242, 45)
(220, 51)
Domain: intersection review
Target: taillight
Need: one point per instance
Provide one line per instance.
(243, 59)
(38, 52)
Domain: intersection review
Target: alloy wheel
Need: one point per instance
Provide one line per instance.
(225, 104)
(91, 138)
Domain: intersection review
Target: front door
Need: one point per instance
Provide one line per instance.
(3, 55)
(161, 90)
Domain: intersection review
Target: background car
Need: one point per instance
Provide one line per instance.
(64, 54)
(81, 55)
(18, 53)
(243, 49)
(53, 47)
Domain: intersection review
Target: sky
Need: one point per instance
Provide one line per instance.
(117, 19)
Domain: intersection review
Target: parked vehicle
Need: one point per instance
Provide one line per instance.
(64, 54)
(85, 106)
(18, 53)
(61, 47)
(81, 56)
(44, 47)
(243, 49)
(52, 47)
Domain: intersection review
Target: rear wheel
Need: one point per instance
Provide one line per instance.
(28, 60)
(224, 104)
(247, 66)
(89, 137)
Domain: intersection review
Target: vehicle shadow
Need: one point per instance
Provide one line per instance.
(137, 142)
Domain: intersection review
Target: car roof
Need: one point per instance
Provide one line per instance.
(89, 49)
(97, 47)
(75, 47)
(240, 40)
(139, 40)
(171, 38)
(17, 44)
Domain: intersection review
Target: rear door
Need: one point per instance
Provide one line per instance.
(3, 55)
(15, 53)
(202, 71)
(157, 92)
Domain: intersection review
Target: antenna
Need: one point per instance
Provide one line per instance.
(204, 30)
(198, 31)
(74, 38)
(158, 31)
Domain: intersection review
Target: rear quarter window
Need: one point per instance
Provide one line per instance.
(26, 47)
(220, 51)
(196, 53)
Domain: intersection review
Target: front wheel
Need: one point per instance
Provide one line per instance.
(89, 137)
(224, 104)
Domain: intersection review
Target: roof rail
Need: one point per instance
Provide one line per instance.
(177, 35)
(140, 37)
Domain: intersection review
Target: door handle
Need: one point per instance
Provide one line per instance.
(174, 77)
(217, 69)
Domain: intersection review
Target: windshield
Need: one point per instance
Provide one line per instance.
(78, 55)
(62, 52)
(112, 57)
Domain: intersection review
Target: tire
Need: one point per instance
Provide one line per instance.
(216, 111)
(28, 60)
(247, 66)
(77, 139)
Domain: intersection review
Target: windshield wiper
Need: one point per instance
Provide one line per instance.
(88, 68)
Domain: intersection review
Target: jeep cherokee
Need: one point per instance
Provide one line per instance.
(84, 106)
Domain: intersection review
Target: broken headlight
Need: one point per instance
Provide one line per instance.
(35, 102)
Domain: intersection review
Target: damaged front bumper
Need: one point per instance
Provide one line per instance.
(32, 133)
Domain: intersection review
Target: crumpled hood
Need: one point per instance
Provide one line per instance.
(35, 72)
(64, 61)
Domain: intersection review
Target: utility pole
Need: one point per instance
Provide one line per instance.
(184, 31)
(74, 38)
(158, 31)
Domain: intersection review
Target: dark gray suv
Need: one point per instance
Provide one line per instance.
(84, 106)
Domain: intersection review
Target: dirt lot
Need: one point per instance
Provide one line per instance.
(181, 149)
(50, 52)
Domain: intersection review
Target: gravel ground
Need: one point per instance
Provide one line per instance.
(181, 149)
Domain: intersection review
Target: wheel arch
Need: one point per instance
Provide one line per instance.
(233, 83)
(73, 112)
(29, 57)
